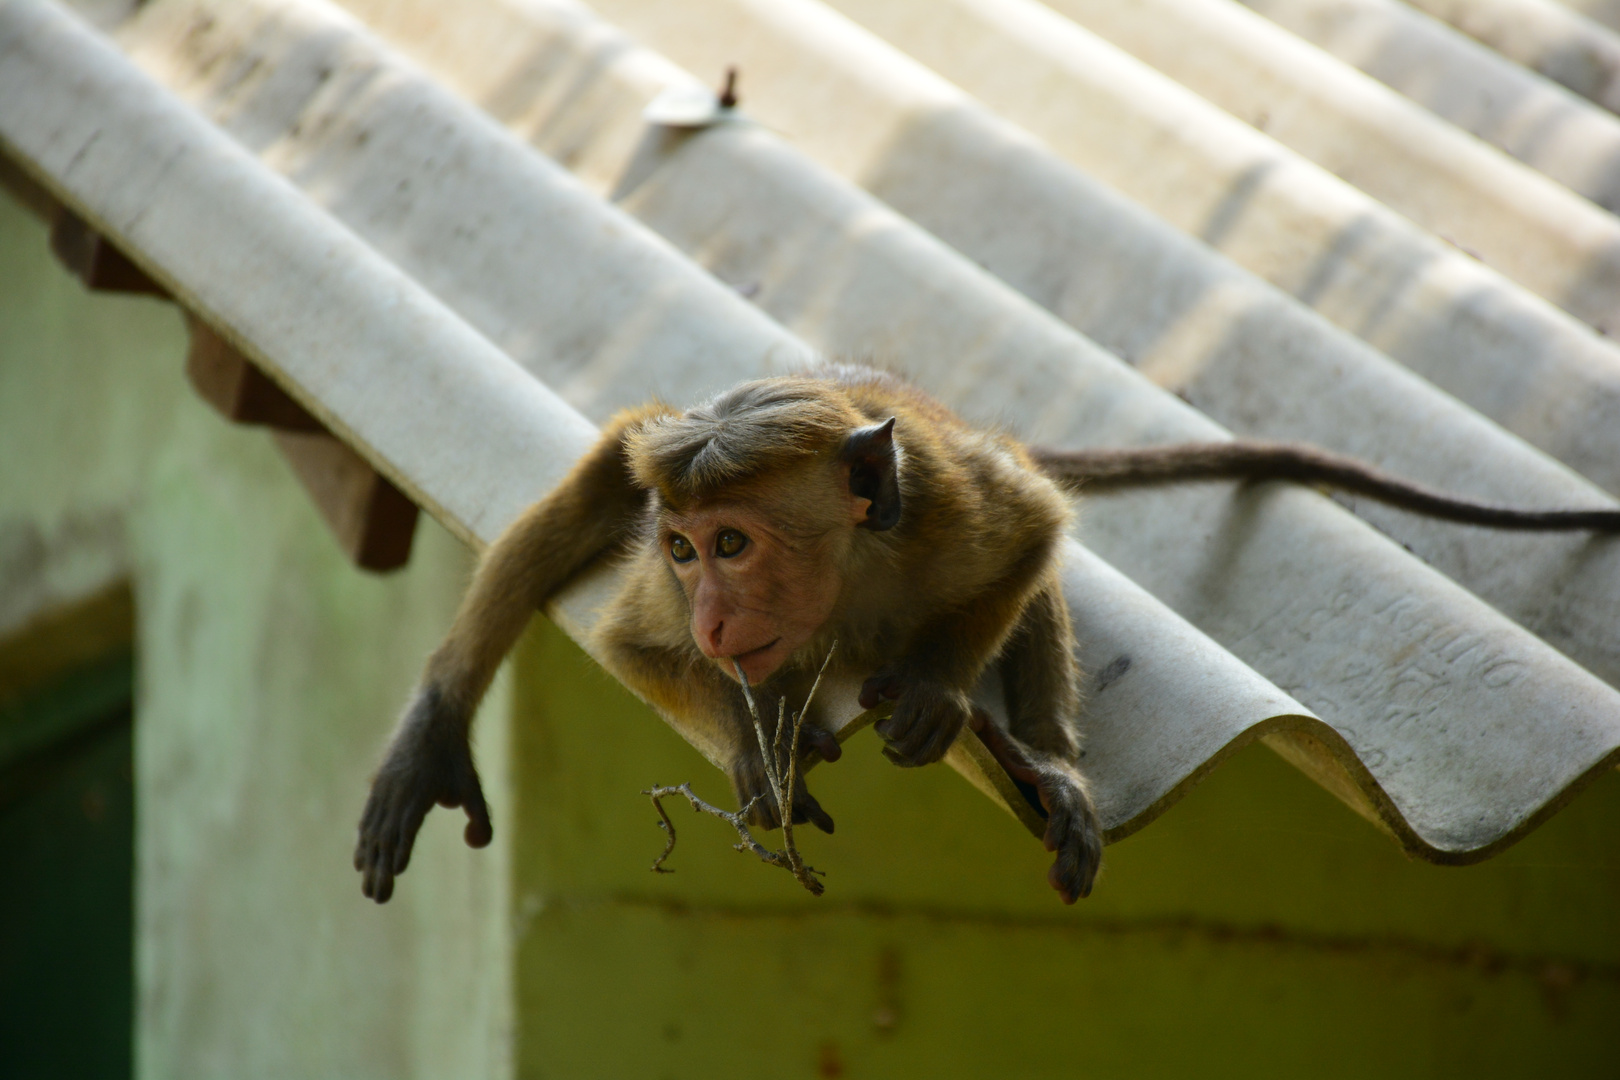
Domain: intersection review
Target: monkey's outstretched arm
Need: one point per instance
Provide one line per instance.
(596, 507)
(1258, 459)
(429, 759)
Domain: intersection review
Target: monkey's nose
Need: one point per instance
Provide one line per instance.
(712, 640)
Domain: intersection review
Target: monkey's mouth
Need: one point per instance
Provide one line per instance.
(749, 659)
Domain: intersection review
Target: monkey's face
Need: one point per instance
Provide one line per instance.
(757, 591)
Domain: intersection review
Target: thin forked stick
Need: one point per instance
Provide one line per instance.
(766, 750)
(793, 765)
(788, 859)
(735, 820)
(784, 795)
(769, 750)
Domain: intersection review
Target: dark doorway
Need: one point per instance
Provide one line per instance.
(67, 863)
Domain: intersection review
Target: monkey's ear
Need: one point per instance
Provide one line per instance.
(874, 473)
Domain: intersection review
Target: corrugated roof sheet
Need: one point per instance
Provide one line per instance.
(1531, 229)
(437, 279)
(1572, 42)
(1573, 141)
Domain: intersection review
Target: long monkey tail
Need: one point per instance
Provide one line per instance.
(595, 508)
(1258, 459)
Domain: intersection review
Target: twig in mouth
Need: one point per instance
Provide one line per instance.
(781, 776)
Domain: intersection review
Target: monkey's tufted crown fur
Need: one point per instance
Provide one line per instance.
(749, 430)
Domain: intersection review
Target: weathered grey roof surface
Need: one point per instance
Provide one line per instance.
(1552, 129)
(376, 205)
(1571, 42)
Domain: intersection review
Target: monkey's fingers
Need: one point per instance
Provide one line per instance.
(388, 827)
(369, 818)
(925, 723)
(479, 832)
(466, 791)
(401, 840)
(378, 883)
(1064, 876)
(821, 741)
(764, 815)
(381, 878)
(1075, 869)
(880, 688)
(388, 849)
(807, 809)
(1073, 832)
(376, 864)
(370, 857)
(750, 787)
(898, 725)
(937, 739)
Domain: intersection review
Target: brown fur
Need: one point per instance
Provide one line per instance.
(924, 606)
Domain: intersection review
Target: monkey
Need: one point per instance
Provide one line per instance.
(838, 504)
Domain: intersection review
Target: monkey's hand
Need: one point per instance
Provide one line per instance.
(926, 720)
(429, 761)
(749, 782)
(1072, 829)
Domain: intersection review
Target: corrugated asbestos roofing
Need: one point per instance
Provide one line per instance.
(454, 235)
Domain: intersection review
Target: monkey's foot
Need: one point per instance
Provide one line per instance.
(749, 783)
(926, 720)
(428, 762)
(1072, 829)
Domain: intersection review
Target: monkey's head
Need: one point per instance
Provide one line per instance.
(760, 495)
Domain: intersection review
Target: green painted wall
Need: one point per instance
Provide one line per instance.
(1260, 928)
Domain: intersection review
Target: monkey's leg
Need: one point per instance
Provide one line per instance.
(1072, 830)
(429, 759)
(1042, 686)
(1040, 678)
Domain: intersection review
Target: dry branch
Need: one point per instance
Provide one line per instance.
(782, 776)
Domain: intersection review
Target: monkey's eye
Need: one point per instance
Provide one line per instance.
(730, 542)
(681, 549)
